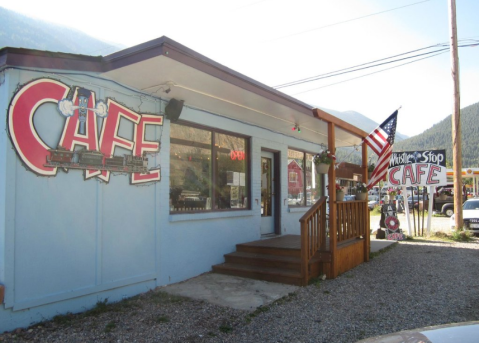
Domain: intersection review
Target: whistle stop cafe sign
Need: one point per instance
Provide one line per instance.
(418, 168)
(90, 124)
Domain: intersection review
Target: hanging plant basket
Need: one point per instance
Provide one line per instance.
(361, 196)
(322, 168)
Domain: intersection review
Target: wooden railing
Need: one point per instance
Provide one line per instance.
(352, 220)
(313, 235)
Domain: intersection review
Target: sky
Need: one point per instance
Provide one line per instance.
(277, 42)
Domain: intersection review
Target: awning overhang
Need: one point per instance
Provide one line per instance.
(166, 69)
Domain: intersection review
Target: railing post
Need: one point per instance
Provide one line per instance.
(304, 253)
(313, 231)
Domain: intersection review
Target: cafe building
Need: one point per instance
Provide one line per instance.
(126, 172)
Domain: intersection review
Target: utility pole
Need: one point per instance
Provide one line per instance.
(456, 120)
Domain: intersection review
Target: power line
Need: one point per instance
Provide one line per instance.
(349, 20)
(367, 66)
(312, 78)
(375, 72)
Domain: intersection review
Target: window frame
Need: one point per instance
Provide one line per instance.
(214, 175)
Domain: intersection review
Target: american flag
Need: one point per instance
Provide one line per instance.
(381, 140)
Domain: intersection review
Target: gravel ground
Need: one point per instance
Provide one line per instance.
(411, 285)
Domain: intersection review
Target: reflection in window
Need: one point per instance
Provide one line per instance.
(208, 170)
(304, 184)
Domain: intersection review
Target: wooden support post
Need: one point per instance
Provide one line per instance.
(333, 229)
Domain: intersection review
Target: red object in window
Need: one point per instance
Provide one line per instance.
(237, 155)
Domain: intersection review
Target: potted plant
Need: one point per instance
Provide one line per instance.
(361, 191)
(392, 192)
(323, 160)
(339, 192)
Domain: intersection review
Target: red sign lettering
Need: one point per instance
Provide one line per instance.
(81, 128)
(29, 146)
(237, 155)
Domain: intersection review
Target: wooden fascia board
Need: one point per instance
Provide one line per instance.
(320, 114)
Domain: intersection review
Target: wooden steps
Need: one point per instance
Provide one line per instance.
(276, 260)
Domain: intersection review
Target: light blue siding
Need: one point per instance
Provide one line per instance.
(68, 242)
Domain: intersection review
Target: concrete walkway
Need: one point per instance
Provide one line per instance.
(380, 244)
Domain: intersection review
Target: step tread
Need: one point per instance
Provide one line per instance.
(258, 269)
(253, 255)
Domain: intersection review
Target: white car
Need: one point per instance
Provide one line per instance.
(470, 213)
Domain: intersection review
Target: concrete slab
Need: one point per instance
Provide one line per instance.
(380, 244)
(230, 291)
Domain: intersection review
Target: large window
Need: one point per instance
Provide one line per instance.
(304, 184)
(208, 170)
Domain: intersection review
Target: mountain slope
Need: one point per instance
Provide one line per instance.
(359, 120)
(439, 136)
(20, 31)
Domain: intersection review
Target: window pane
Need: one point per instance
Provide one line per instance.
(295, 178)
(190, 169)
(231, 172)
(192, 134)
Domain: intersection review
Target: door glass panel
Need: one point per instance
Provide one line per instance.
(266, 190)
(231, 167)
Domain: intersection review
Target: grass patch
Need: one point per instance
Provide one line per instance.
(100, 307)
(375, 211)
(380, 252)
(316, 282)
(110, 327)
(163, 319)
(63, 319)
(166, 298)
(226, 328)
(266, 308)
(455, 236)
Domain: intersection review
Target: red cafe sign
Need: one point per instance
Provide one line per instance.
(80, 129)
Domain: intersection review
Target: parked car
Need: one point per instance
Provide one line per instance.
(373, 203)
(349, 197)
(413, 201)
(470, 213)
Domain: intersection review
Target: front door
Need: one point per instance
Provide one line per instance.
(267, 193)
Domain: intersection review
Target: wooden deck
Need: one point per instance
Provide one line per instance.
(296, 259)
(276, 259)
